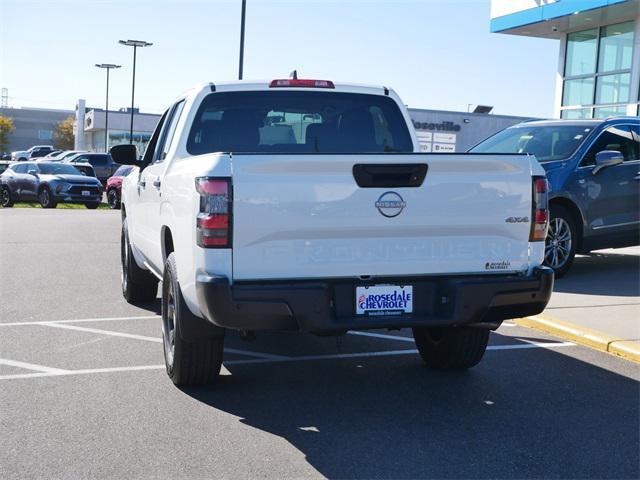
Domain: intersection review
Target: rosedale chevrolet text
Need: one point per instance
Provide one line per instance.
(302, 205)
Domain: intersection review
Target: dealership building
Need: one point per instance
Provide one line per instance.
(447, 131)
(599, 56)
(91, 123)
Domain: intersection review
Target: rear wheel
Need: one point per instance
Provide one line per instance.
(451, 348)
(46, 198)
(187, 363)
(112, 199)
(5, 197)
(138, 285)
(561, 241)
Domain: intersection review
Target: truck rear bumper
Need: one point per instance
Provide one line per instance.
(329, 306)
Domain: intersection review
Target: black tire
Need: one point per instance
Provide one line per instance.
(6, 200)
(112, 199)
(561, 241)
(187, 363)
(138, 285)
(45, 197)
(451, 348)
(92, 205)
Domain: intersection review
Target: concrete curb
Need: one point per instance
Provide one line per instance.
(629, 350)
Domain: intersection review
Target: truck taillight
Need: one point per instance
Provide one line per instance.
(540, 210)
(213, 224)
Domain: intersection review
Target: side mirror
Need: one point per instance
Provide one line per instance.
(607, 158)
(33, 172)
(125, 154)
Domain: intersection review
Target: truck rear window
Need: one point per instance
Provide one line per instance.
(298, 122)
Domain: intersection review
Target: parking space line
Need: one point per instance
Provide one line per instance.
(102, 332)
(152, 339)
(78, 320)
(31, 366)
(398, 337)
(64, 373)
(522, 346)
(381, 335)
(254, 354)
(307, 358)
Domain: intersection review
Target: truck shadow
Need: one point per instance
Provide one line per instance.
(520, 413)
(603, 274)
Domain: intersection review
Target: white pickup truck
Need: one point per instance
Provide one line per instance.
(303, 205)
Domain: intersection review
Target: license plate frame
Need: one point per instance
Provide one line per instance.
(383, 300)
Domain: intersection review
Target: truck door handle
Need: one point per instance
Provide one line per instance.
(142, 183)
(637, 177)
(156, 183)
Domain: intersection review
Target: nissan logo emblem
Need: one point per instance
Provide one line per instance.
(390, 204)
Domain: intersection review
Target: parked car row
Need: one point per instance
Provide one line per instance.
(48, 183)
(36, 151)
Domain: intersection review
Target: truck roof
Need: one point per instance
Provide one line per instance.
(253, 85)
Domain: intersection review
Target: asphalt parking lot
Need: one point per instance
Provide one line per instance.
(83, 392)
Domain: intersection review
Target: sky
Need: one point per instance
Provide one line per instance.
(437, 54)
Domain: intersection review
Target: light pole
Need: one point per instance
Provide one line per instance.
(135, 44)
(107, 66)
(244, 9)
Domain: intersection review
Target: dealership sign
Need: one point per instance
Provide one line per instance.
(441, 127)
(432, 136)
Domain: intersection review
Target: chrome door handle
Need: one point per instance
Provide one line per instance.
(637, 177)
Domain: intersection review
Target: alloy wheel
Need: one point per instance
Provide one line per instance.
(112, 199)
(124, 255)
(558, 243)
(44, 198)
(169, 325)
(5, 197)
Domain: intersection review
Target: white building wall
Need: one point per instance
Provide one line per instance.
(78, 128)
(559, 76)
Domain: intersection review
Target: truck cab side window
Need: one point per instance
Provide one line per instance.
(153, 142)
(618, 138)
(166, 135)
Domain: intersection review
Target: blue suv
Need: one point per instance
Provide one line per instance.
(593, 167)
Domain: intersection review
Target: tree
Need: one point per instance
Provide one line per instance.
(63, 136)
(6, 127)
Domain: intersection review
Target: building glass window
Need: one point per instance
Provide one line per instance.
(575, 113)
(604, 112)
(45, 134)
(578, 92)
(582, 50)
(613, 88)
(598, 72)
(616, 47)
